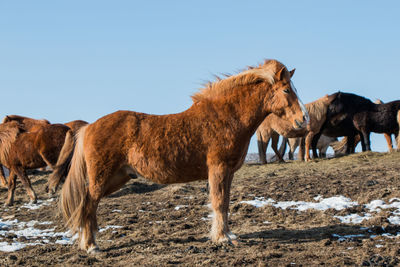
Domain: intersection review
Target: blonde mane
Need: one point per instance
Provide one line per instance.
(8, 133)
(264, 72)
(318, 108)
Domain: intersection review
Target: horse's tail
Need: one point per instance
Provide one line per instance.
(339, 147)
(262, 147)
(74, 192)
(63, 162)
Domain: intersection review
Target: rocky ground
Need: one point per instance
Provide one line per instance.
(333, 212)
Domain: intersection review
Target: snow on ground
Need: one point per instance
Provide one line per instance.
(15, 234)
(338, 203)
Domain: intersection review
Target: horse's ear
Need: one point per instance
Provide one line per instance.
(292, 72)
(332, 97)
(281, 74)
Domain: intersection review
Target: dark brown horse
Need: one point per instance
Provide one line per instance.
(350, 114)
(207, 141)
(21, 150)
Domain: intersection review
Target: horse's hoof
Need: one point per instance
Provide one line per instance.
(234, 242)
(8, 204)
(33, 201)
(93, 250)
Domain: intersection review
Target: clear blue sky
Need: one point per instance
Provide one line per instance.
(67, 60)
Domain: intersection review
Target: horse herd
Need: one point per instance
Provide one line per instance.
(208, 141)
(339, 114)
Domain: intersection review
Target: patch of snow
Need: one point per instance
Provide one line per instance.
(180, 206)
(38, 205)
(337, 203)
(26, 229)
(354, 218)
(110, 227)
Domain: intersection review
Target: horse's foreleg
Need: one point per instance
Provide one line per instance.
(367, 141)
(2, 177)
(27, 184)
(262, 142)
(11, 188)
(308, 141)
(220, 180)
(274, 145)
(292, 146)
(388, 138)
(314, 144)
(301, 149)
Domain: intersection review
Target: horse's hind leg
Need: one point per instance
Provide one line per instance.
(90, 227)
(99, 188)
(350, 144)
(388, 138)
(397, 137)
(27, 184)
(2, 177)
(220, 180)
(11, 188)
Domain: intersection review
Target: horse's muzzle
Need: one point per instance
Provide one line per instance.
(299, 124)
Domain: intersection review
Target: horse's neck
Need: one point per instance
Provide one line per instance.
(243, 115)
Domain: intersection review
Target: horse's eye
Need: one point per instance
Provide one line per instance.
(286, 91)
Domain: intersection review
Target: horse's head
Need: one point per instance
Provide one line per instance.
(285, 101)
(337, 105)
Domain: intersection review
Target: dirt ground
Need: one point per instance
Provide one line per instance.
(158, 225)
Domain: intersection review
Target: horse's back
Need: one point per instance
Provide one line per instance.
(158, 147)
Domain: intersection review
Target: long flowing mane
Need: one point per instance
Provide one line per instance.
(8, 133)
(264, 72)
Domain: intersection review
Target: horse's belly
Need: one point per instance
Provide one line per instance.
(169, 174)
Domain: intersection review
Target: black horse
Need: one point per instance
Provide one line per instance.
(350, 114)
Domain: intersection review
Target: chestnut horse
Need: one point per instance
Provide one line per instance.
(273, 126)
(207, 141)
(25, 123)
(20, 150)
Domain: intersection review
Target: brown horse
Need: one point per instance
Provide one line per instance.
(207, 141)
(64, 160)
(273, 126)
(20, 150)
(26, 124)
